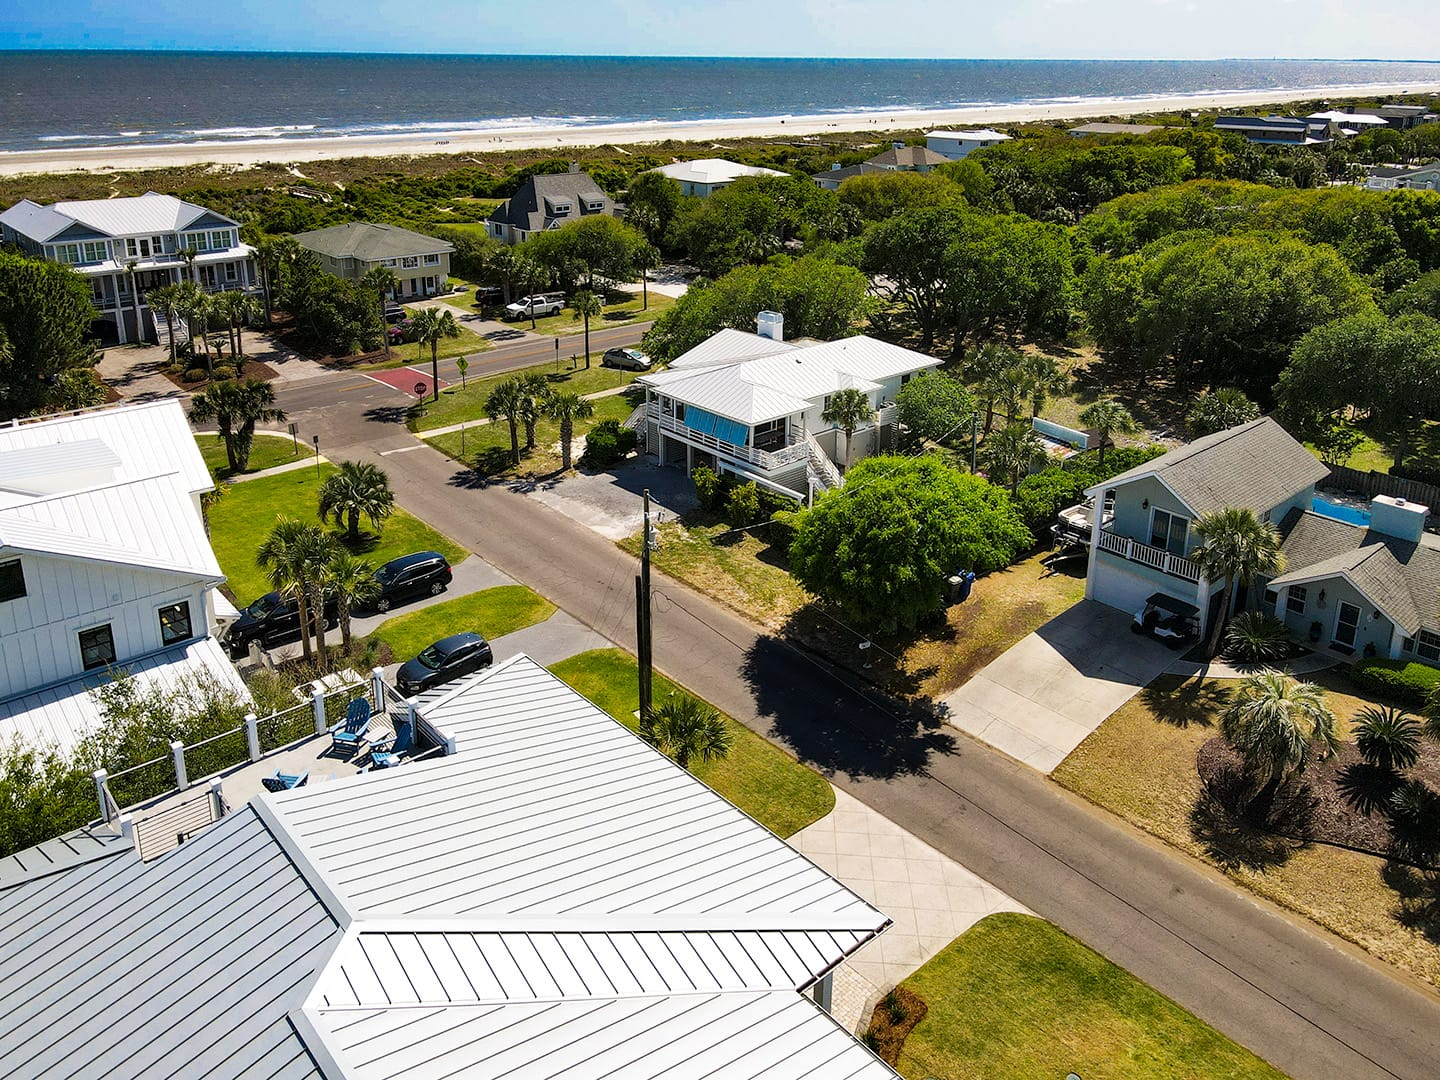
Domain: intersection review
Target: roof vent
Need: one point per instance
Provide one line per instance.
(574, 166)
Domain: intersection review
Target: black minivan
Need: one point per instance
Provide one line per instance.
(272, 620)
(425, 573)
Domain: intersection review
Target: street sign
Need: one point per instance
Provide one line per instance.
(419, 389)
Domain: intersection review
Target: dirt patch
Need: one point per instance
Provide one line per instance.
(892, 1021)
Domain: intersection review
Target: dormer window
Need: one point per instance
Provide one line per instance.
(560, 209)
(595, 206)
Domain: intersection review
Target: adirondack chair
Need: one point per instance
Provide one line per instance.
(352, 731)
(283, 781)
(387, 753)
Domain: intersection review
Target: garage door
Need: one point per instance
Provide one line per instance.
(1117, 585)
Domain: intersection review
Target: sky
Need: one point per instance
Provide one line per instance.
(1096, 29)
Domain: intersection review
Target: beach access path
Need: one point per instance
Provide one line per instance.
(879, 124)
(1306, 1001)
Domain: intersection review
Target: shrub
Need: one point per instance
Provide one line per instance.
(1426, 472)
(1415, 821)
(607, 442)
(742, 505)
(707, 486)
(1403, 680)
(1256, 636)
(195, 374)
(223, 372)
(1387, 738)
(1041, 496)
(782, 529)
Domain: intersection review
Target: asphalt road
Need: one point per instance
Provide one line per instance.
(1310, 1004)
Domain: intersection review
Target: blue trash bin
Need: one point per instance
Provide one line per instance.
(967, 582)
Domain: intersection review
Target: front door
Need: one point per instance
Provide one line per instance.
(1347, 619)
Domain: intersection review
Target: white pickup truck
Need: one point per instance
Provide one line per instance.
(535, 307)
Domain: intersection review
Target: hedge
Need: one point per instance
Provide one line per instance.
(1403, 680)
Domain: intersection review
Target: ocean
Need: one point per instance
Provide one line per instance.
(83, 99)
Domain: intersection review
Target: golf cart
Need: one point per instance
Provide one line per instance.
(1171, 621)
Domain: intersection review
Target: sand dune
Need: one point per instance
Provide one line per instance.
(251, 152)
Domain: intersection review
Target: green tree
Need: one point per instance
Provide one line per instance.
(881, 195)
(1235, 546)
(567, 407)
(686, 730)
(165, 299)
(77, 388)
(1043, 379)
(880, 548)
(647, 258)
(382, 283)
(356, 488)
(1387, 738)
(659, 195)
(1009, 454)
(752, 219)
(1277, 725)
(45, 315)
(42, 794)
(1337, 443)
(431, 326)
(594, 251)
(235, 408)
(536, 389)
(936, 407)
(1108, 417)
(292, 556)
(1220, 410)
(508, 400)
(909, 253)
(586, 305)
(351, 581)
(847, 409)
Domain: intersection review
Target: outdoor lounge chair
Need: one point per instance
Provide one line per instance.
(283, 781)
(387, 753)
(352, 731)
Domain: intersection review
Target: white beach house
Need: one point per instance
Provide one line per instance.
(750, 405)
(105, 565)
(955, 145)
(501, 911)
(125, 247)
(705, 176)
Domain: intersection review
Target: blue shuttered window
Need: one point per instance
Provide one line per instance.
(707, 423)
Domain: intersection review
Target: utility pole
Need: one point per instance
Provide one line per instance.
(642, 613)
(974, 438)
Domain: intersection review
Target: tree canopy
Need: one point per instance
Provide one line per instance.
(593, 251)
(880, 548)
(45, 317)
(937, 407)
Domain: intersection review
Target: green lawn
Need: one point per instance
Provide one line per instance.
(240, 521)
(1017, 997)
(489, 613)
(619, 314)
(486, 447)
(266, 452)
(457, 405)
(413, 352)
(758, 777)
(1377, 453)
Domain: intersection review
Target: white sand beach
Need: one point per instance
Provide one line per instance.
(460, 142)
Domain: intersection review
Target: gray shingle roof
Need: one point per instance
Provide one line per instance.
(370, 243)
(1256, 466)
(908, 157)
(1102, 128)
(526, 209)
(839, 176)
(1399, 577)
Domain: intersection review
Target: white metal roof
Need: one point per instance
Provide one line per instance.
(727, 346)
(985, 134)
(134, 216)
(1351, 119)
(62, 714)
(712, 171)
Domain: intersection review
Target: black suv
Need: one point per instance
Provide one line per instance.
(271, 620)
(449, 658)
(425, 573)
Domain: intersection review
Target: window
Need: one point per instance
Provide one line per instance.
(1271, 598)
(906, 377)
(67, 253)
(12, 580)
(1295, 600)
(95, 251)
(595, 207)
(198, 242)
(410, 261)
(1427, 646)
(231, 274)
(97, 291)
(137, 249)
(97, 647)
(207, 276)
(175, 623)
(220, 240)
(1168, 531)
(432, 260)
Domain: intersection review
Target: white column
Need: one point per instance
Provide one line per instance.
(217, 798)
(119, 308)
(1097, 525)
(100, 776)
(252, 735)
(317, 703)
(177, 751)
(377, 686)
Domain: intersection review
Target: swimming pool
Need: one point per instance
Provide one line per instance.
(1351, 515)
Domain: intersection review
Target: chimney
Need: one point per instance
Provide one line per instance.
(834, 166)
(1398, 518)
(574, 166)
(770, 324)
(898, 145)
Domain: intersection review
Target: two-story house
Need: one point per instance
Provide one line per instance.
(1279, 130)
(954, 145)
(420, 263)
(105, 565)
(125, 247)
(702, 177)
(1360, 582)
(899, 158)
(547, 202)
(751, 405)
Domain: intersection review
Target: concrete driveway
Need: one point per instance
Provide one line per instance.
(611, 502)
(1044, 695)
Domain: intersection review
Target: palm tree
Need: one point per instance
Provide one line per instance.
(431, 326)
(1045, 380)
(585, 305)
(1220, 410)
(274, 253)
(188, 254)
(508, 400)
(381, 282)
(352, 582)
(647, 258)
(567, 407)
(1107, 417)
(1235, 545)
(166, 300)
(235, 408)
(1006, 390)
(1009, 453)
(686, 729)
(1387, 738)
(847, 409)
(198, 309)
(237, 309)
(1274, 723)
(356, 488)
(287, 556)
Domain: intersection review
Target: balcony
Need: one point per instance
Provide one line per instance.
(1153, 557)
(765, 460)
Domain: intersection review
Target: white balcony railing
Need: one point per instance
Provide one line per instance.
(762, 459)
(1153, 557)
